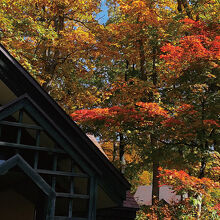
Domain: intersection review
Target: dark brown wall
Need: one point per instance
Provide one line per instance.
(14, 206)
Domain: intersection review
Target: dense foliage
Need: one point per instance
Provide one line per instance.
(146, 82)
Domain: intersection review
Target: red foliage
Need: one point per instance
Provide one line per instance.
(153, 109)
(121, 113)
(211, 123)
(183, 182)
(217, 208)
(171, 122)
(201, 46)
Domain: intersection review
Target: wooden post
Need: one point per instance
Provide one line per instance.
(19, 129)
(36, 156)
(53, 203)
(92, 198)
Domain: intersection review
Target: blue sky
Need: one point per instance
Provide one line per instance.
(103, 16)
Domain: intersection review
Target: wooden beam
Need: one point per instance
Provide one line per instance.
(93, 198)
(70, 208)
(53, 203)
(73, 196)
(21, 125)
(17, 160)
(61, 173)
(36, 155)
(19, 129)
(23, 146)
(36, 159)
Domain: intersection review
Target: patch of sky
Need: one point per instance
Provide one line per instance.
(102, 17)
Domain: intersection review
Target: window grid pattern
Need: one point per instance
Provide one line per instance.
(77, 200)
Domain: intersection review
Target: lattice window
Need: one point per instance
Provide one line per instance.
(19, 133)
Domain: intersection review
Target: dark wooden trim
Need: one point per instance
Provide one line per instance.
(61, 173)
(19, 129)
(17, 160)
(93, 198)
(53, 207)
(73, 196)
(70, 211)
(29, 147)
(21, 125)
(25, 102)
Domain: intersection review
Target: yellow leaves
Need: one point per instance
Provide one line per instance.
(83, 35)
(41, 81)
(211, 76)
(145, 178)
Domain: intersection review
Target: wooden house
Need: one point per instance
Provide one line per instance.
(50, 169)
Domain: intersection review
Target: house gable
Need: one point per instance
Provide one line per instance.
(41, 109)
(43, 125)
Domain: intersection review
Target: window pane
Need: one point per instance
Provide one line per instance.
(80, 208)
(81, 185)
(62, 207)
(63, 184)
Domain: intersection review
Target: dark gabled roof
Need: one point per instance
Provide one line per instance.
(21, 82)
(17, 160)
(130, 202)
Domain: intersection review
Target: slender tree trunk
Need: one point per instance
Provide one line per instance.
(114, 151)
(179, 7)
(202, 168)
(156, 179)
(186, 7)
(126, 72)
(122, 153)
(155, 182)
(184, 4)
(51, 56)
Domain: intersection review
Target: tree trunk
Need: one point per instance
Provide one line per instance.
(202, 168)
(156, 179)
(122, 153)
(114, 151)
(155, 183)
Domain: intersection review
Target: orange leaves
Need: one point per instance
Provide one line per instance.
(153, 109)
(200, 27)
(191, 49)
(173, 54)
(202, 195)
(211, 123)
(183, 182)
(172, 122)
(186, 109)
(117, 115)
(199, 47)
(93, 114)
(215, 47)
(140, 10)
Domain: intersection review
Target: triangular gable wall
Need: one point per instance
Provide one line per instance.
(58, 165)
(34, 113)
(6, 94)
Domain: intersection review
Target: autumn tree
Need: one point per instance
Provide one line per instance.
(138, 29)
(56, 42)
(147, 80)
